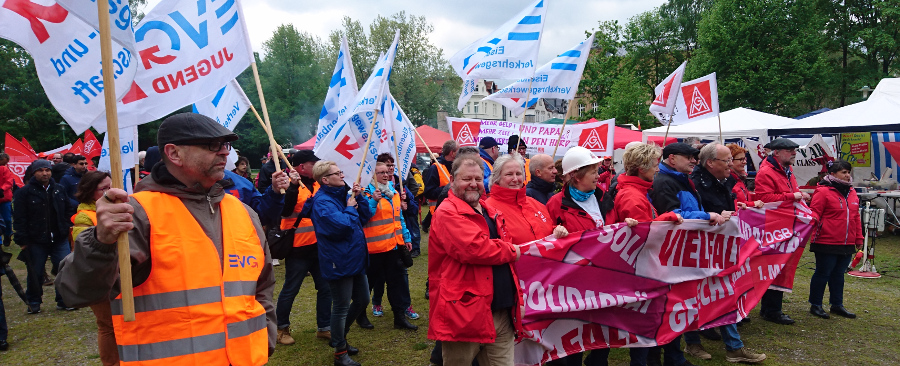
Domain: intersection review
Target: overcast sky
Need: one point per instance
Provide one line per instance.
(456, 23)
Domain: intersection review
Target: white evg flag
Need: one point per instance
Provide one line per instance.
(226, 106)
(663, 106)
(128, 143)
(510, 52)
(401, 130)
(342, 91)
(344, 144)
(120, 24)
(557, 79)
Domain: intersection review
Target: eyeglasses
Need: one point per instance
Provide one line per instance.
(340, 172)
(726, 161)
(214, 146)
(741, 159)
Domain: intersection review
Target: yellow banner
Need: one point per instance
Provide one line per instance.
(856, 147)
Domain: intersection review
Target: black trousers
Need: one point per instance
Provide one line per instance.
(770, 304)
(387, 268)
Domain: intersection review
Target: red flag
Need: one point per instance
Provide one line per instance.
(91, 148)
(20, 157)
(77, 147)
(25, 142)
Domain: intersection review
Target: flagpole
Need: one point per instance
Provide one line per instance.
(430, 154)
(720, 128)
(522, 122)
(362, 164)
(115, 157)
(666, 136)
(262, 100)
(565, 119)
(269, 132)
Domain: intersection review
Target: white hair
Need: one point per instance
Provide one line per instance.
(502, 161)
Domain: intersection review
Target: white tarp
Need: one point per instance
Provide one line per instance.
(736, 123)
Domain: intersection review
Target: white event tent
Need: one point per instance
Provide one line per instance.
(736, 123)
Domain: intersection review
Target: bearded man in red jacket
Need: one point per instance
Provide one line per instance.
(474, 295)
(775, 182)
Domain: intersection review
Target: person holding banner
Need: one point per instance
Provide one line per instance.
(714, 185)
(190, 243)
(775, 182)
(836, 241)
(577, 207)
(543, 178)
(489, 150)
(473, 285)
(632, 200)
(338, 214)
(739, 174)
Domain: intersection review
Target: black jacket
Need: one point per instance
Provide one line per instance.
(264, 179)
(33, 209)
(59, 170)
(540, 189)
(715, 196)
(432, 179)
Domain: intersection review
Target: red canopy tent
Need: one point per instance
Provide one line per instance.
(308, 145)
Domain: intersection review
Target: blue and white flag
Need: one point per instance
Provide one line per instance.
(402, 131)
(128, 143)
(227, 106)
(188, 48)
(120, 24)
(557, 79)
(341, 92)
(66, 54)
(510, 52)
(345, 142)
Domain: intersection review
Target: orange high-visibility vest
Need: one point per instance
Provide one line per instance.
(89, 213)
(490, 166)
(527, 171)
(305, 233)
(196, 309)
(444, 175)
(384, 231)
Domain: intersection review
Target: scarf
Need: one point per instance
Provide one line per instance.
(579, 195)
(385, 189)
(834, 180)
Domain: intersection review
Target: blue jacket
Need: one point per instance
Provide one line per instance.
(69, 183)
(373, 206)
(675, 192)
(487, 168)
(268, 206)
(342, 243)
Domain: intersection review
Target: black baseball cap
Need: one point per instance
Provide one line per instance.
(304, 156)
(191, 127)
(679, 148)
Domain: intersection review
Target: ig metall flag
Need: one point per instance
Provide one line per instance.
(663, 106)
(557, 79)
(401, 130)
(697, 99)
(342, 91)
(510, 52)
(66, 54)
(227, 106)
(344, 144)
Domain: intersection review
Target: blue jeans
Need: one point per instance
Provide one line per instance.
(350, 296)
(830, 270)
(672, 353)
(37, 255)
(295, 269)
(6, 215)
(730, 337)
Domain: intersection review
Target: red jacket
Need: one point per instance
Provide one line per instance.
(632, 201)
(7, 180)
(741, 193)
(773, 184)
(566, 212)
(605, 178)
(839, 222)
(460, 259)
(526, 218)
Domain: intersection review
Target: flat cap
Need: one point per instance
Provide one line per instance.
(487, 142)
(781, 144)
(184, 127)
(679, 148)
(304, 156)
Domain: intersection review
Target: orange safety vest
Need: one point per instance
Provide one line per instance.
(444, 175)
(89, 213)
(490, 166)
(384, 231)
(527, 171)
(195, 308)
(305, 233)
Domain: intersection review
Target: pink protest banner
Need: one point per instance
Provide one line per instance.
(638, 287)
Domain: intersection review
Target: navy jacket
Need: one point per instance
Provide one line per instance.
(31, 214)
(675, 192)
(339, 231)
(540, 189)
(69, 182)
(268, 206)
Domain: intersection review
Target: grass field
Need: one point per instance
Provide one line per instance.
(69, 338)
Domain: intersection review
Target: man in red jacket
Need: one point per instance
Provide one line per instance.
(474, 295)
(775, 182)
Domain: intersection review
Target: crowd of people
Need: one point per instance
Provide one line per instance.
(202, 269)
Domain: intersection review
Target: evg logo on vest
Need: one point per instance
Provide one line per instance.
(242, 261)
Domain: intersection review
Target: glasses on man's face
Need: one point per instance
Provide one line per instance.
(339, 172)
(726, 161)
(214, 146)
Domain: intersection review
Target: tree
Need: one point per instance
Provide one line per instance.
(627, 101)
(601, 68)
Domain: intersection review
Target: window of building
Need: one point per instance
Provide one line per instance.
(468, 107)
(476, 107)
(495, 109)
(580, 109)
(594, 107)
(476, 86)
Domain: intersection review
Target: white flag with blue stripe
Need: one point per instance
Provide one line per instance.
(128, 143)
(227, 106)
(342, 91)
(557, 79)
(401, 129)
(510, 52)
(345, 142)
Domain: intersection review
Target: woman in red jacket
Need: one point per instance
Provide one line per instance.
(839, 234)
(526, 218)
(742, 195)
(641, 165)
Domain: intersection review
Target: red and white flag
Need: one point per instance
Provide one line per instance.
(20, 157)
(91, 147)
(77, 147)
(663, 106)
(595, 136)
(698, 99)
